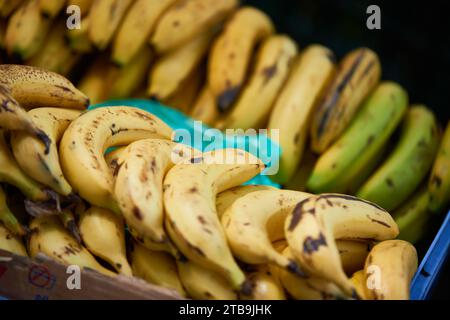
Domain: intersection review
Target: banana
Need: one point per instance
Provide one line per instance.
(78, 39)
(11, 173)
(300, 177)
(273, 62)
(186, 19)
(26, 30)
(350, 156)
(35, 88)
(439, 183)
(11, 242)
(114, 160)
(93, 82)
(389, 269)
(190, 191)
(132, 75)
(84, 5)
(255, 220)
(358, 73)
(169, 73)
(231, 53)
(8, 6)
(8, 220)
(38, 161)
(137, 26)
(86, 139)
(106, 17)
(359, 282)
(413, 216)
(51, 8)
(103, 233)
(49, 237)
(265, 285)
(314, 224)
(401, 173)
(155, 267)
(204, 108)
(353, 254)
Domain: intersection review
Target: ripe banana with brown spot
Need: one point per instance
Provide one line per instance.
(35, 88)
(389, 269)
(357, 75)
(186, 19)
(231, 54)
(8, 6)
(51, 8)
(264, 285)
(273, 63)
(11, 242)
(86, 139)
(314, 224)
(49, 237)
(309, 76)
(190, 191)
(204, 108)
(8, 219)
(37, 161)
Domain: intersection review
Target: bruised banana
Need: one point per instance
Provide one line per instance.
(35, 88)
(51, 8)
(273, 63)
(186, 19)
(204, 108)
(348, 158)
(232, 52)
(353, 254)
(307, 80)
(103, 233)
(11, 242)
(49, 237)
(264, 284)
(401, 173)
(155, 267)
(191, 217)
(8, 6)
(8, 219)
(86, 139)
(358, 73)
(106, 16)
(439, 183)
(314, 224)
(137, 26)
(37, 161)
(11, 173)
(78, 39)
(389, 269)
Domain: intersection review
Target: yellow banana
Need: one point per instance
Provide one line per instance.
(86, 139)
(11, 242)
(358, 73)
(314, 224)
(93, 82)
(204, 108)
(389, 269)
(51, 8)
(137, 26)
(7, 219)
(38, 161)
(78, 39)
(358, 280)
(188, 18)
(85, 5)
(273, 63)
(353, 254)
(103, 233)
(8, 6)
(265, 285)
(309, 77)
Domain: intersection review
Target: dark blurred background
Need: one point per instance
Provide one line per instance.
(413, 45)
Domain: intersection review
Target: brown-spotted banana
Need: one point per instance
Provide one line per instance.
(38, 161)
(35, 88)
(314, 224)
(389, 269)
(86, 139)
(358, 73)
(309, 76)
(11, 242)
(231, 54)
(190, 191)
(187, 19)
(7, 219)
(273, 63)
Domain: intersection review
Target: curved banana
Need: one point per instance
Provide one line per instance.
(11, 242)
(86, 139)
(106, 17)
(204, 108)
(389, 269)
(49, 237)
(103, 233)
(37, 161)
(439, 183)
(8, 219)
(155, 267)
(353, 254)
(231, 53)
(137, 26)
(358, 280)
(314, 224)
(8, 6)
(308, 78)
(255, 220)
(51, 8)
(358, 73)
(347, 159)
(35, 88)
(265, 285)
(401, 173)
(186, 19)
(191, 217)
(273, 63)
